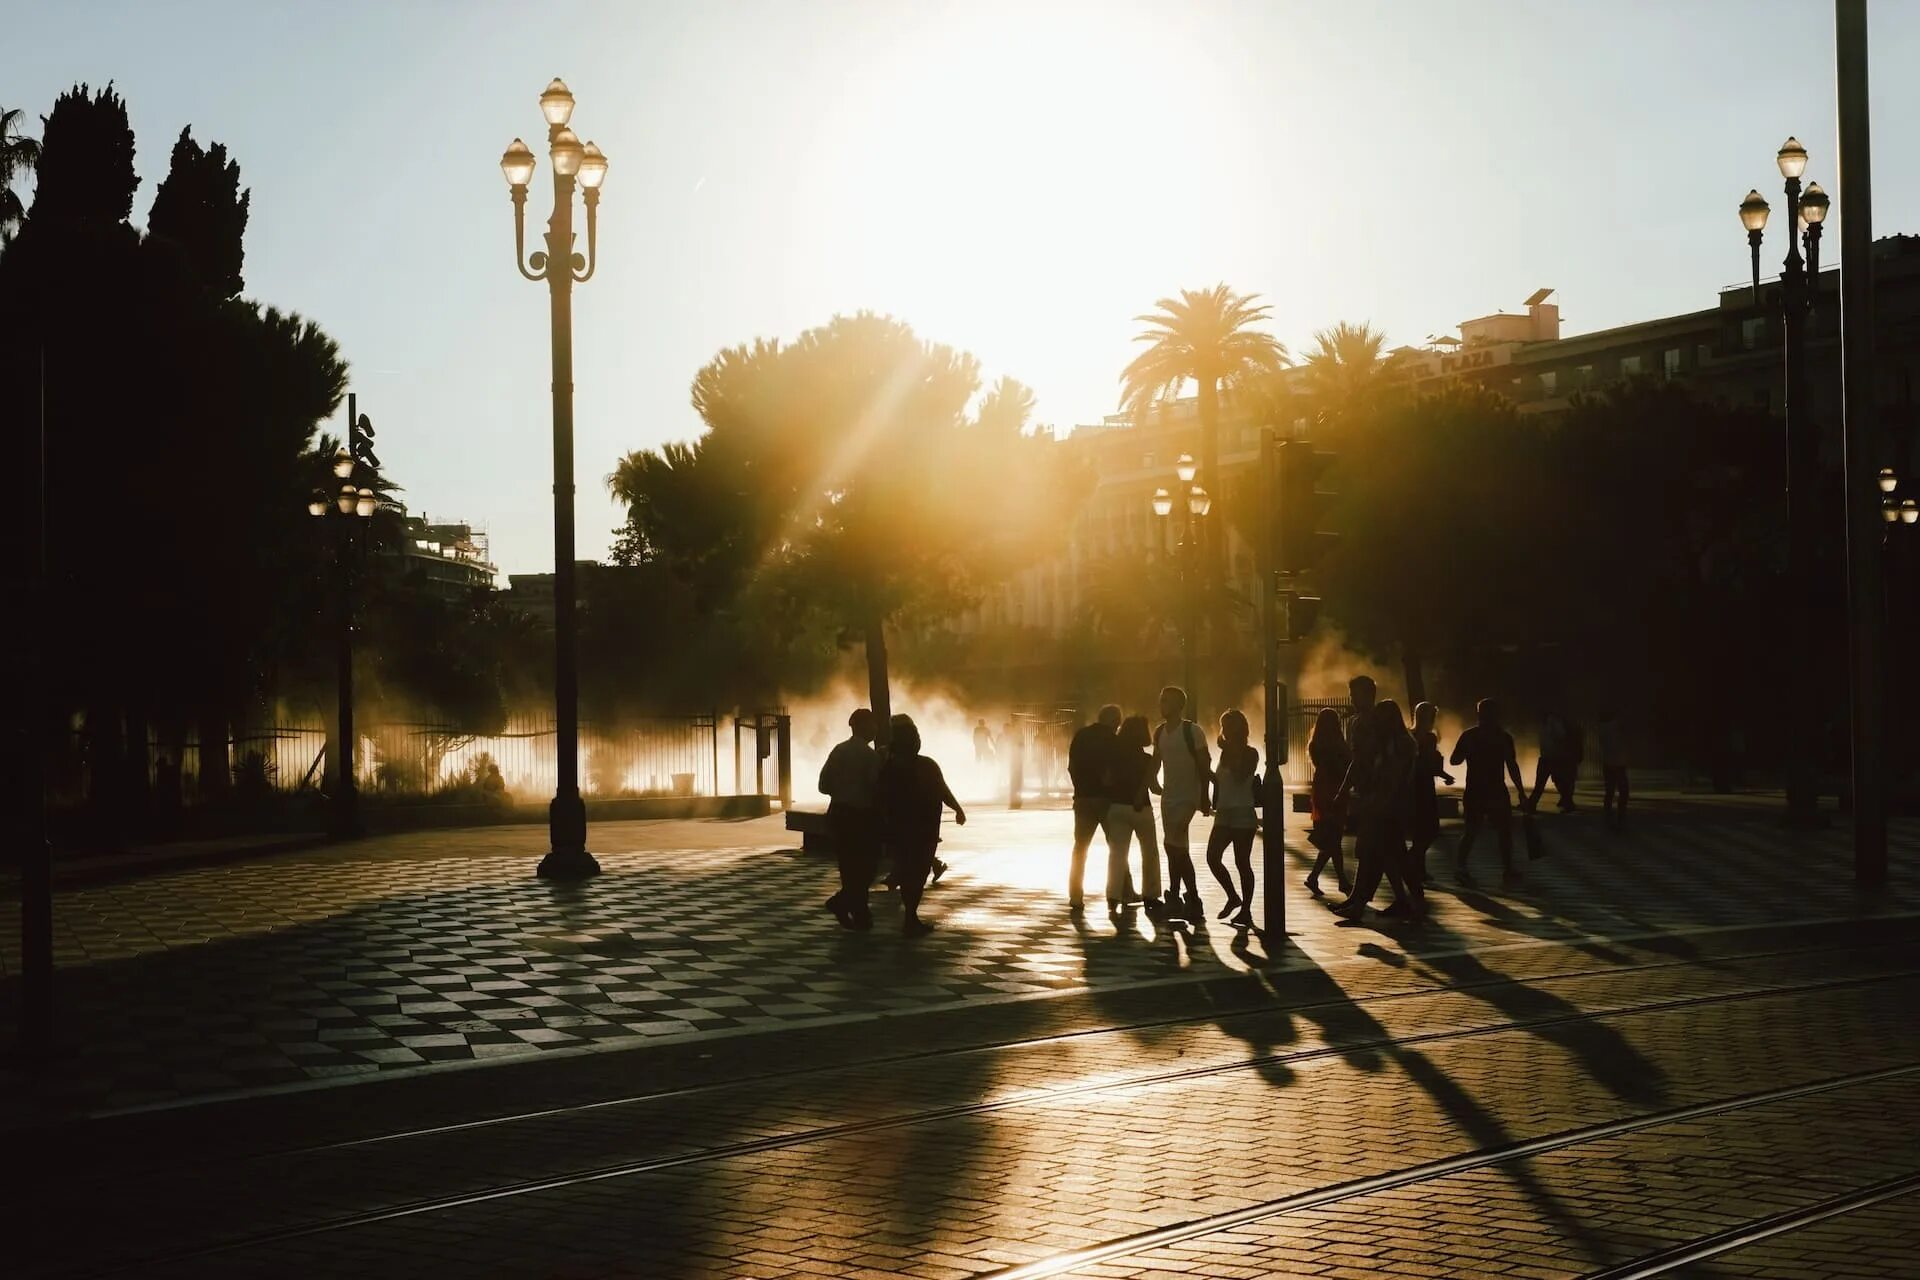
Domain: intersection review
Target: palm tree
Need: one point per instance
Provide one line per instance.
(1348, 373)
(18, 155)
(1205, 336)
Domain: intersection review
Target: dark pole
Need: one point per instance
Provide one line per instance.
(1190, 568)
(567, 816)
(346, 811)
(1273, 826)
(1803, 468)
(36, 869)
(1859, 426)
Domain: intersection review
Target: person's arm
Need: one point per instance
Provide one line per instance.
(1513, 768)
(946, 798)
(828, 783)
(1459, 750)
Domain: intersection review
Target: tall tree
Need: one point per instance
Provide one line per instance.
(1207, 337)
(201, 210)
(843, 475)
(1349, 374)
(19, 153)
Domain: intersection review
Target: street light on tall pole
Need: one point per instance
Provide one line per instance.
(347, 510)
(1195, 504)
(1799, 283)
(561, 268)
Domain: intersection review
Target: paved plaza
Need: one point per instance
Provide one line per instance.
(408, 1056)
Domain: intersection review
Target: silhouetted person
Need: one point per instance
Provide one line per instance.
(1561, 746)
(1180, 751)
(913, 792)
(1236, 805)
(1613, 768)
(1487, 751)
(1424, 820)
(1380, 819)
(848, 780)
(1089, 761)
(1330, 756)
(1016, 752)
(1362, 756)
(982, 742)
(1130, 816)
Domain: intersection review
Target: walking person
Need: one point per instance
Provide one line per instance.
(1487, 751)
(1130, 817)
(1428, 765)
(982, 742)
(1236, 807)
(913, 794)
(1380, 817)
(1330, 756)
(848, 780)
(1089, 760)
(1557, 763)
(1362, 756)
(1015, 749)
(1180, 752)
(1613, 769)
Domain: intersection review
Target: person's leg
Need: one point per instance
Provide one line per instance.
(1217, 841)
(1609, 788)
(1243, 863)
(1502, 821)
(865, 863)
(1564, 778)
(1117, 832)
(910, 868)
(1086, 821)
(1318, 839)
(1142, 819)
(1366, 880)
(1622, 771)
(1542, 774)
(1176, 817)
(1475, 818)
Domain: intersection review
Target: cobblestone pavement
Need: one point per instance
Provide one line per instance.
(440, 950)
(1534, 1113)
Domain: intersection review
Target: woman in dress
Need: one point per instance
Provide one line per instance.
(1236, 800)
(1327, 750)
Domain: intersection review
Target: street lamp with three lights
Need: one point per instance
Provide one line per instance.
(1196, 505)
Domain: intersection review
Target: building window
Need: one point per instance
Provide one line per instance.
(1702, 355)
(1629, 366)
(1549, 382)
(1583, 376)
(1670, 362)
(1752, 330)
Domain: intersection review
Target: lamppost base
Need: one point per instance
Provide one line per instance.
(567, 831)
(568, 865)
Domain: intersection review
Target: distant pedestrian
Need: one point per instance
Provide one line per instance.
(1424, 826)
(848, 781)
(1613, 769)
(1014, 743)
(913, 794)
(1561, 747)
(1236, 806)
(982, 743)
(1363, 741)
(1186, 769)
(1089, 759)
(1487, 751)
(1381, 814)
(1130, 817)
(1328, 752)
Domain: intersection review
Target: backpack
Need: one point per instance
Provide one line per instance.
(1201, 768)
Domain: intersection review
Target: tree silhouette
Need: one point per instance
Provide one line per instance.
(1348, 374)
(1205, 336)
(202, 211)
(19, 154)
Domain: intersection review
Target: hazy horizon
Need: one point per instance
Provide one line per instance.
(1016, 181)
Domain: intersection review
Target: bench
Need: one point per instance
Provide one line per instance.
(812, 827)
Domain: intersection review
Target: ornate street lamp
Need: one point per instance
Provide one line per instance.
(1197, 503)
(348, 509)
(561, 268)
(1799, 285)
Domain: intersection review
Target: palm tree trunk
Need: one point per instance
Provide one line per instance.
(877, 693)
(1213, 573)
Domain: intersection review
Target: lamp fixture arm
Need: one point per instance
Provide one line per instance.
(520, 259)
(582, 268)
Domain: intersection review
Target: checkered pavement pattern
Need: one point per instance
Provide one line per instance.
(327, 966)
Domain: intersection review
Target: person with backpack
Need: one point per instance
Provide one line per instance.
(1186, 771)
(1236, 804)
(913, 796)
(848, 780)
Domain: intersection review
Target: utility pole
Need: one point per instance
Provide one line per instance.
(1273, 826)
(1860, 435)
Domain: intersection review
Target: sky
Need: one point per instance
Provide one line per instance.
(1020, 180)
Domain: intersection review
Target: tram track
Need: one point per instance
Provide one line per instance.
(1216, 1017)
(819, 1134)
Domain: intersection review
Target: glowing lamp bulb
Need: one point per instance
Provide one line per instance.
(1162, 502)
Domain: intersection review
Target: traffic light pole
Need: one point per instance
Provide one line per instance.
(1273, 827)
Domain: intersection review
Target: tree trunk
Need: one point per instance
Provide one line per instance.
(877, 694)
(1416, 679)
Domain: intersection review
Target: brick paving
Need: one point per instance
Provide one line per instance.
(440, 949)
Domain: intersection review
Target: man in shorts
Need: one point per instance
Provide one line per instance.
(1186, 768)
(1487, 751)
(1089, 756)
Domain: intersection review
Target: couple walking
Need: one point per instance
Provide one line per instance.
(897, 797)
(1117, 766)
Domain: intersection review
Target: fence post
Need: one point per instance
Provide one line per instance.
(783, 738)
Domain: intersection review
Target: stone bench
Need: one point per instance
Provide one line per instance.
(812, 827)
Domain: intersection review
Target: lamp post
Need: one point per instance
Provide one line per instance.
(561, 268)
(1197, 503)
(1799, 284)
(1895, 510)
(347, 510)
